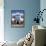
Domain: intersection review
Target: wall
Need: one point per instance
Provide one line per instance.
(43, 6)
(30, 7)
(1, 21)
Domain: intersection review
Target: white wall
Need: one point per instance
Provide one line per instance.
(43, 6)
(1, 21)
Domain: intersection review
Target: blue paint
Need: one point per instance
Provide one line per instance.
(14, 34)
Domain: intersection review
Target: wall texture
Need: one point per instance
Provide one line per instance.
(30, 7)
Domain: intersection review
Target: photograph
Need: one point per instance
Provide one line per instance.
(17, 18)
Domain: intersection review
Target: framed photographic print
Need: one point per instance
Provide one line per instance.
(17, 18)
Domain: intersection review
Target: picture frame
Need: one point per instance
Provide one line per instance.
(17, 18)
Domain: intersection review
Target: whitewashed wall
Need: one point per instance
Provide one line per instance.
(1, 20)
